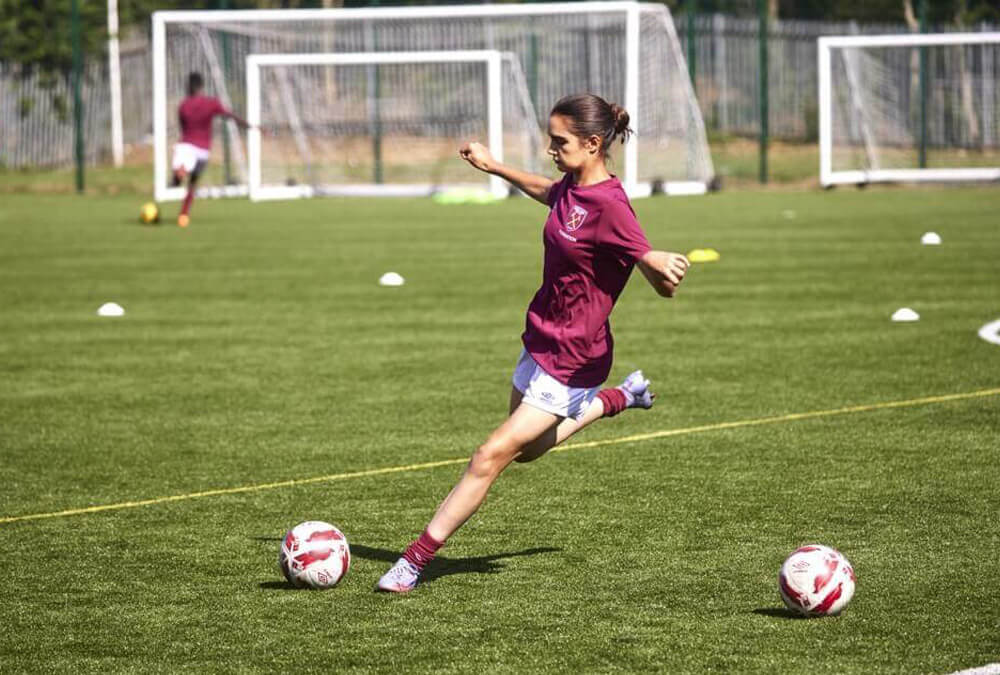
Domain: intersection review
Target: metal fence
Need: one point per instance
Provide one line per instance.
(36, 122)
(36, 111)
(727, 76)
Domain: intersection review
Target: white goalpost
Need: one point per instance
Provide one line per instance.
(323, 140)
(625, 51)
(909, 108)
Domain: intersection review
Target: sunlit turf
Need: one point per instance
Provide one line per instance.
(257, 347)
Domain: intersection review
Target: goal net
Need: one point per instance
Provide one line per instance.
(384, 123)
(900, 108)
(624, 51)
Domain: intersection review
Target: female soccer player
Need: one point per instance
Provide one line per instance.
(592, 241)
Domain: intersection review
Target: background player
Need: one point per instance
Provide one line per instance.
(592, 241)
(196, 113)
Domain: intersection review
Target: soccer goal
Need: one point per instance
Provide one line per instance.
(627, 52)
(905, 108)
(384, 123)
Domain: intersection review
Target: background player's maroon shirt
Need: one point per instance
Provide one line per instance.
(196, 113)
(592, 241)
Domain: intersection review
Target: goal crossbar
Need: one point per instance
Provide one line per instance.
(490, 57)
(415, 12)
(826, 46)
(911, 40)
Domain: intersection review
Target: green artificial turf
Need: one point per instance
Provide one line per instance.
(257, 347)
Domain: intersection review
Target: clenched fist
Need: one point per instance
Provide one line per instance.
(664, 271)
(477, 154)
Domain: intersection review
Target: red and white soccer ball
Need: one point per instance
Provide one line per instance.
(314, 554)
(816, 580)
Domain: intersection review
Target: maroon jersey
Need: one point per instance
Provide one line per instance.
(196, 113)
(592, 241)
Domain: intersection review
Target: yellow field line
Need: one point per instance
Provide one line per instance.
(792, 417)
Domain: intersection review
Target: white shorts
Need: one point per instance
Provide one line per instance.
(187, 156)
(545, 392)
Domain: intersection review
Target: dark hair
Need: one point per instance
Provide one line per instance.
(591, 115)
(195, 83)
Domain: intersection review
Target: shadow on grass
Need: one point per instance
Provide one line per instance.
(778, 613)
(439, 567)
(442, 567)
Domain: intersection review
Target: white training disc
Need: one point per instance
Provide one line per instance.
(391, 279)
(905, 314)
(111, 309)
(930, 239)
(991, 332)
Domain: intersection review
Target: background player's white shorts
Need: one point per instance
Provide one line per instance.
(545, 392)
(187, 156)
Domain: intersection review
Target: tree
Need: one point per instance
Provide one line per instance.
(36, 35)
(876, 11)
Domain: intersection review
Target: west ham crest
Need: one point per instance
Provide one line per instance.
(576, 217)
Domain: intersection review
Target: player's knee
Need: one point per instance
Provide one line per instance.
(491, 458)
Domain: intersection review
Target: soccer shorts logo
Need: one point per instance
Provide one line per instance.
(576, 217)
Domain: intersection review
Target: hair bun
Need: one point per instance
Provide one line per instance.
(621, 121)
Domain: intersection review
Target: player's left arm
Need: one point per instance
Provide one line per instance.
(623, 236)
(663, 270)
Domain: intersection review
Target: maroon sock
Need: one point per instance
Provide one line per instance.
(422, 551)
(187, 201)
(614, 401)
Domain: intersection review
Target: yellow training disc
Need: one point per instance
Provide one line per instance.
(703, 255)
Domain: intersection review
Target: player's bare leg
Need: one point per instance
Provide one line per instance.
(525, 425)
(635, 393)
(526, 435)
(184, 219)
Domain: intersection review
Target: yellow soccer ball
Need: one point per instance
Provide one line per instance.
(149, 213)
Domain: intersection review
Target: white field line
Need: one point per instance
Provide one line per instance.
(791, 417)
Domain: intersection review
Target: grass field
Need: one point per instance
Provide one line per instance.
(257, 348)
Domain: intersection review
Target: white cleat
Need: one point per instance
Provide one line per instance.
(636, 388)
(401, 578)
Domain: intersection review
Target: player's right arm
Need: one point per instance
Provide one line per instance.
(226, 112)
(479, 156)
(239, 120)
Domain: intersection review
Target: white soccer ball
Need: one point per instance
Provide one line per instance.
(816, 580)
(314, 554)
